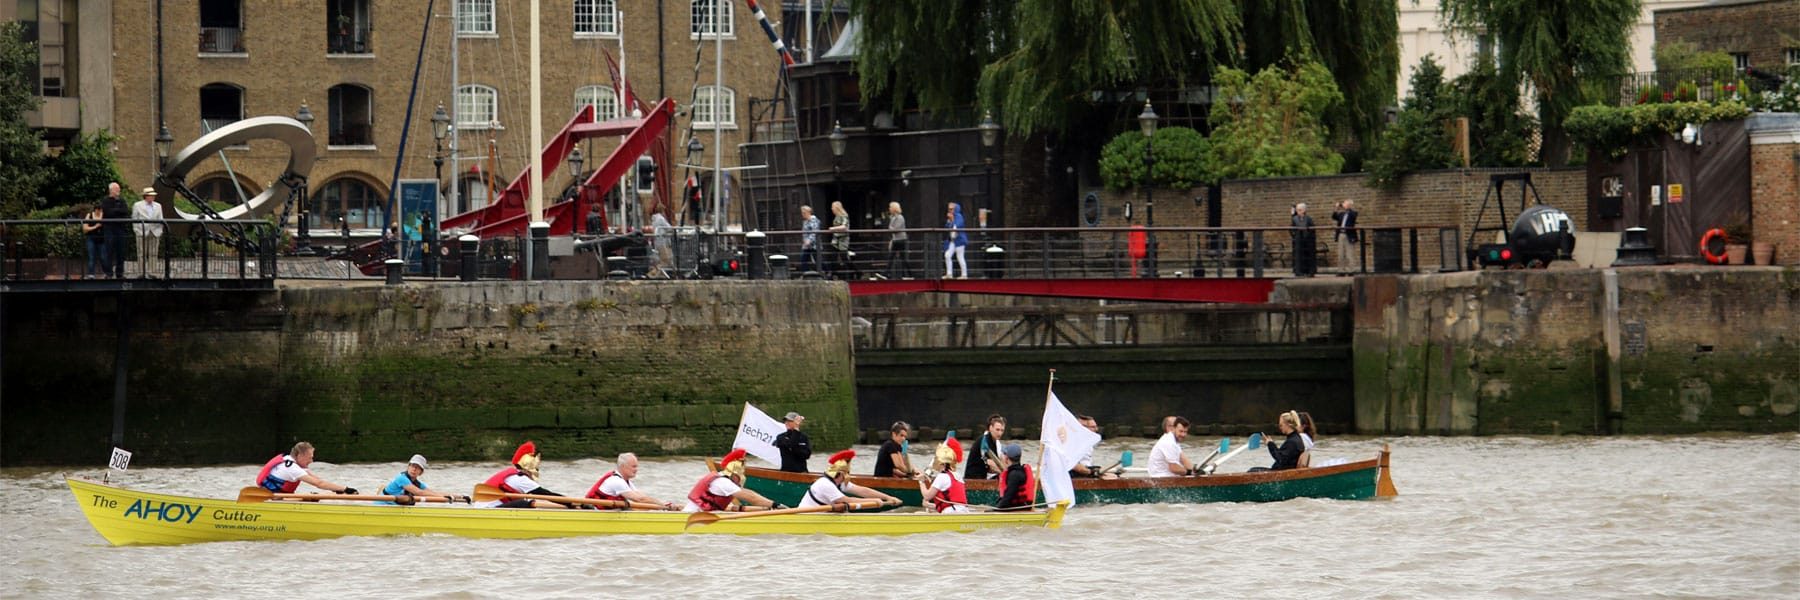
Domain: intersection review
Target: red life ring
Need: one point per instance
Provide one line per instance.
(1706, 244)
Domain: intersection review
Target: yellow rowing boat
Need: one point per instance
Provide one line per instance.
(131, 517)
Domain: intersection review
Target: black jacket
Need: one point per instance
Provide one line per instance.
(1012, 489)
(977, 467)
(1287, 455)
(1345, 220)
(114, 208)
(795, 448)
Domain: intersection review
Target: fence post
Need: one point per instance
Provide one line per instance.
(1413, 235)
(394, 268)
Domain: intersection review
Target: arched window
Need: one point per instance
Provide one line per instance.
(218, 189)
(605, 101)
(221, 104)
(713, 104)
(596, 18)
(477, 107)
(348, 200)
(352, 115)
(709, 18)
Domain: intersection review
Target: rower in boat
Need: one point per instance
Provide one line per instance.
(835, 489)
(1287, 454)
(1085, 467)
(285, 472)
(1016, 482)
(406, 486)
(724, 489)
(1166, 458)
(616, 485)
(1307, 433)
(521, 477)
(939, 487)
(985, 464)
(891, 460)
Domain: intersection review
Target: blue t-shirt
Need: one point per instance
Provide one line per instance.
(397, 487)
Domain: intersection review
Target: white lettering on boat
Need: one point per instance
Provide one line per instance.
(171, 512)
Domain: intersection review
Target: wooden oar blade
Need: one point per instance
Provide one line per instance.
(254, 494)
(487, 493)
(702, 518)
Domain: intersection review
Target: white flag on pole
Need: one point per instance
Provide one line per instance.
(1065, 442)
(756, 434)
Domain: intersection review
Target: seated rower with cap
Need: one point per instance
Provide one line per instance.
(407, 485)
(835, 489)
(521, 477)
(943, 491)
(1016, 481)
(724, 489)
(616, 485)
(286, 472)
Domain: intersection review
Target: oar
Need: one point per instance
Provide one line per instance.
(707, 518)
(1256, 440)
(1123, 463)
(488, 493)
(1224, 446)
(255, 494)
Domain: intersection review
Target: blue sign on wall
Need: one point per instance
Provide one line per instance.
(418, 220)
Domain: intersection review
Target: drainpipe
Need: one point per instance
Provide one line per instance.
(660, 69)
(160, 117)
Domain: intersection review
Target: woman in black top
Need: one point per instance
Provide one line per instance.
(891, 458)
(1287, 454)
(985, 463)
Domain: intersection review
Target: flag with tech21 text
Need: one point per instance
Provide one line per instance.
(1065, 442)
(756, 434)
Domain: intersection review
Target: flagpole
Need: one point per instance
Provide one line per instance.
(1048, 389)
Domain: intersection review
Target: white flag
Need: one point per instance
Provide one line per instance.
(1065, 442)
(756, 434)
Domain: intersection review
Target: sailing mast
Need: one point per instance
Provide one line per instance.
(455, 122)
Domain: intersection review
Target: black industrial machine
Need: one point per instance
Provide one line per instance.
(1539, 234)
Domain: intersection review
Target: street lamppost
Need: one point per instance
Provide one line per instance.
(164, 141)
(440, 129)
(839, 144)
(1147, 122)
(990, 135)
(303, 240)
(695, 149)
(575, 160)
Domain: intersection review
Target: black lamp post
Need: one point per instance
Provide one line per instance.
(694, 148)
(575, 160)
(164, 141)
(1147, 122)
(440, 129)
(990, 135)
(303, 239)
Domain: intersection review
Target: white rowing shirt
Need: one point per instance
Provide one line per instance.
(823, 492)
(617, 485)
(721, 486)
(942, 485)
(288, 470)
(1165, 457)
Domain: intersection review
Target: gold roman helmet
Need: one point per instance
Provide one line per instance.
(839, 463)
(732, 465)
(949, 453)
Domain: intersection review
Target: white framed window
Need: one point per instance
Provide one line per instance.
(603, 98)
(715, 105)
(596, 18)
(1793, 56)
(474, 17)
(1741, 60)
(477, 107)
(710, 18)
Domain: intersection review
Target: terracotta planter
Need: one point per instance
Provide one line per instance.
(1763, 252)
(1735, 253)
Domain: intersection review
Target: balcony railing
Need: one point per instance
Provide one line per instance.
(1695, 85)
(221, 40)
(353, 134)
(350, 40)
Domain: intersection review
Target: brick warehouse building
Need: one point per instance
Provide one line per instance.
(130, 65)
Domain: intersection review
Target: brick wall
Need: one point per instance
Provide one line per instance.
(1524, 352)
(1764, 30)
(1429, 198)
(463, 371)
(285, 63)
(1775, 198)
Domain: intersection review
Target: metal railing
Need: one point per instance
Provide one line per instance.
(354, 39)
(1095, 252)
(221, 40)
(1701, 85)
(59, 254)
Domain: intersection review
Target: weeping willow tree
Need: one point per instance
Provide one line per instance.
(1356, 40)
(1038, 61)
(1563, 48)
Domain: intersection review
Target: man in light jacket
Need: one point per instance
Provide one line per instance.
(149, 234)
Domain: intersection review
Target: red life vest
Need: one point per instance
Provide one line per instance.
(702, 494)
(956, 495)
(1022, 496)
(499, 480)
(266, 482)
(596, 494)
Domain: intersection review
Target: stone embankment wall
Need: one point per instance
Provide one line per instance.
(454, 371)
(1688, 349)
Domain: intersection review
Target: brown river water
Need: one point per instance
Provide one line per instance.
(1511, 517)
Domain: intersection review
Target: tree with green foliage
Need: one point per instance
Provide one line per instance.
(1271, 125)
(1180, 156)
(1562, 48)
(1497, 126)
(82, 171)
(1357, 40)
(1417, 140)
(21, 150)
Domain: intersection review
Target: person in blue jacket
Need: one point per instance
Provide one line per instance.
(955, 245)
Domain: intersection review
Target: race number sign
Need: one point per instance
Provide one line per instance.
(120, 459)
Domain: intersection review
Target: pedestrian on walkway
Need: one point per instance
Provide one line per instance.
(149, 229)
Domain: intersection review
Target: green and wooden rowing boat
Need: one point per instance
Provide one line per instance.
(1349, 481)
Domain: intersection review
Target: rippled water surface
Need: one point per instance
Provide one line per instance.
(1706, 517)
